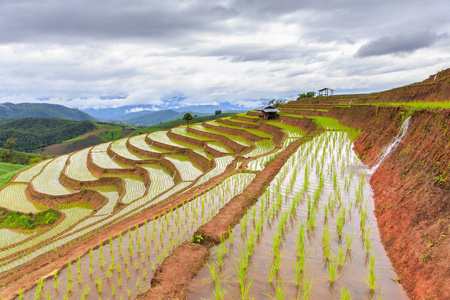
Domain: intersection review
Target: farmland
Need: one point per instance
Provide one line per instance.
(282, 209)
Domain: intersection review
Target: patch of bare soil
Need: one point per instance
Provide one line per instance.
(171, 279)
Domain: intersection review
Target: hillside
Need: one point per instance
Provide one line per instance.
(123, 113)
(33, 134)
(329, 201)
(155, 117)
(41, 110)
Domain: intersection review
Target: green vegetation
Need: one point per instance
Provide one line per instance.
(306, 95)
(15, 157)
(7, 171)
(110, 135)
(76, 139)
(175, 123)
(33, 134)
(14, 219)
(188, 117)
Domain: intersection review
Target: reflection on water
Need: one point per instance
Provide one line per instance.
(319, 209)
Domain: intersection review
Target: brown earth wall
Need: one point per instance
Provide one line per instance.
(237, 148)
(96, 199)
(214, 152)
(374, 138)
(411, 192)
(238, 124)
(143, 152)
(245, 119)
(302, 112)
(277, 132)
(186, 139)
(127, 161)
(304, 124)
(160, 145)
(196, 142)
(230, 214)
(172, 277)
(240, 132)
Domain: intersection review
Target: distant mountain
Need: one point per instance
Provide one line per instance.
(155, 117)
(211, 109)
(129, 112)
(41, 110)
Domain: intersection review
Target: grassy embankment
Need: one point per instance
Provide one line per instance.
(14, 219)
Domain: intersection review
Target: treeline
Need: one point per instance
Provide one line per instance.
(33, 134)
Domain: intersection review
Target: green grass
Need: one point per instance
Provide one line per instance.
(248, 116)
(12, 219)
(16, 157)
(253, 131)
(7, 171)
(76, 139)
(110, 135)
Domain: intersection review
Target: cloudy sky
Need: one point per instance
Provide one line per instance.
(105, 53)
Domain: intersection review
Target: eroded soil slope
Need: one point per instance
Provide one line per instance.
(411, 191)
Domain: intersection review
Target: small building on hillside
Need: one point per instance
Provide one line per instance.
(326, 92)
(267, 112)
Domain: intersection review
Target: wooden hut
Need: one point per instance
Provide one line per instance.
(267, 112)
(326, 92)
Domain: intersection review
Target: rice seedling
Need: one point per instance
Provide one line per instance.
(341, 256)
(371, 280)
(349, 240)
(219, 293)
(311, 220)
(333, 272)
(346, 294)
(307, 287)
(276, 263)
(244, 289)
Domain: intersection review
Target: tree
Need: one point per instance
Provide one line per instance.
(306, 95)
(35, 160)
(10, 143)
(188, 117)
(218, 112)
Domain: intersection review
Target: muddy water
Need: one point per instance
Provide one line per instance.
(345, 184)
(123, 267)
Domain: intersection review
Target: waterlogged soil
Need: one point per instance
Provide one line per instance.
(124, 266)
(345, 185)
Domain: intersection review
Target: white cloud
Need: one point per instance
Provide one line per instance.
(137, 53)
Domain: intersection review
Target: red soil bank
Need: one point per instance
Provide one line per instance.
(304, 124)
(240, 132)
(275, 131)
(196, 142)
(237, 148)
(411, 192)
(172, 277)
(229, 215)
(304, 112)
(143, 152)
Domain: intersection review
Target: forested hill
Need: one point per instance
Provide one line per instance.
(41, 110)
(35, 133)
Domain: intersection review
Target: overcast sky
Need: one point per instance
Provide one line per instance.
(103, 53)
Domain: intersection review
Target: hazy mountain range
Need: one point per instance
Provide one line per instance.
(130, 114)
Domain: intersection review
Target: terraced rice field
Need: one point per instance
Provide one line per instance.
(120, 265)
(13, 197)
(77, 167)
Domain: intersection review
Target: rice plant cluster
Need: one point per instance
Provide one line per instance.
(309, 235)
